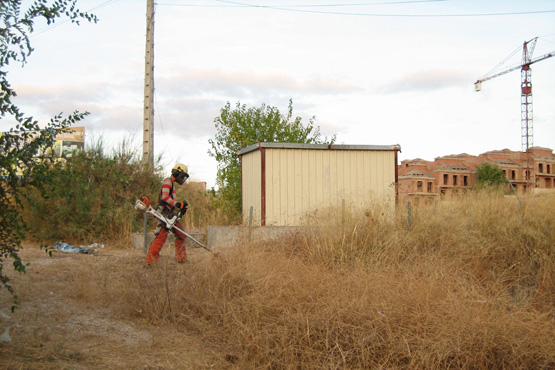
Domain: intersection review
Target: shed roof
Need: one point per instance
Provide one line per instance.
(257, 146)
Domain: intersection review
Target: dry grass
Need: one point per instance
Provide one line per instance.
(470, 285)
(74, 315)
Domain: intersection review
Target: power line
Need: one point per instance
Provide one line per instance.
(296, 8)
(168, 146)
(360, 4)
(67, 20)
(202, 5)
(238, 5)
(543, 38)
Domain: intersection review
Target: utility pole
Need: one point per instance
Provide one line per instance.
(148, 121)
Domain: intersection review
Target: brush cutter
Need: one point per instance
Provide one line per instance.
(143, 205)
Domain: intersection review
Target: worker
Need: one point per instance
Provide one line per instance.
(167, 205)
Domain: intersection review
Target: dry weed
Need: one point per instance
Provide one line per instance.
(469, 285)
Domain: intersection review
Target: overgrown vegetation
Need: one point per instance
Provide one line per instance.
(205, 207)
(469, 286)
(490, 177)
(90, 196)
(18, 148)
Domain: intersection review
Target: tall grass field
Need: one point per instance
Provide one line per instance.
(469, 284)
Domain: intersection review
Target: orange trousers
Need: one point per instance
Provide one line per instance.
(158, 242)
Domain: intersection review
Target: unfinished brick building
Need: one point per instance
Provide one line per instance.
(453, 174)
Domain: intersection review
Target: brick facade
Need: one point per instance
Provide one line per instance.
(455, 174)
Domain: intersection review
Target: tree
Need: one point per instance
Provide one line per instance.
(240, 127)
(490, 176)
(19, 165)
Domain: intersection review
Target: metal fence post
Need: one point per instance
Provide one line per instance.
(516, 194)
(410, 214)
(146, 232)
(343, 214)
(250, 222)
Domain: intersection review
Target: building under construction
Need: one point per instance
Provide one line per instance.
(455, 174)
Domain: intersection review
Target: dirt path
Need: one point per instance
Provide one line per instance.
(64, 323)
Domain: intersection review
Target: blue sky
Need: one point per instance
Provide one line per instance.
(372, 72)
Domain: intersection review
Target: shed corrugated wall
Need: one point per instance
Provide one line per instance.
(287, 183)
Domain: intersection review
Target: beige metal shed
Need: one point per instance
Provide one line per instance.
(282, 182)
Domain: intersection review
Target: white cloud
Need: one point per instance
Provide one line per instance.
(245, 84)
(427, 80)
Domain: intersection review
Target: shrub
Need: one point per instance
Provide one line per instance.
(90, 197)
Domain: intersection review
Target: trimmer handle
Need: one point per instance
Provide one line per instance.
(181, 213)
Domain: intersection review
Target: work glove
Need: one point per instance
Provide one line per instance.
(181, 205)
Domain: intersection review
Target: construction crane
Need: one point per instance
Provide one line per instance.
(526, 117)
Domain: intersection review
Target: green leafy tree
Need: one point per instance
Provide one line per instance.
(19, 166)
(490, 176)
(240, 127)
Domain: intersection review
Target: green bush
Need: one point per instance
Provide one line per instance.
(90, 197)
(490, 178)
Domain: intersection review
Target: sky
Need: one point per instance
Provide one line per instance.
(377, 72)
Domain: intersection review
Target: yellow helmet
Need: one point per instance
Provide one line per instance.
(180, 172)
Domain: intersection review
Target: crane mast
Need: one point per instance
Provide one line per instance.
(526, 116)
(526, 110)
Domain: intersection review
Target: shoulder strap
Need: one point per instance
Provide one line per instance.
(162, 203)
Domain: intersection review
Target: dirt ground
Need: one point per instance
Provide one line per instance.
(61, 325)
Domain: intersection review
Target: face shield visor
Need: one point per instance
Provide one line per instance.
(181, 177)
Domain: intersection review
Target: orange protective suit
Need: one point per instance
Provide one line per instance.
(167, 204)
(158, 243)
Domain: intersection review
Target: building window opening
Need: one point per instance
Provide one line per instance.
(548, 168)
(455, 180)
(419, 185)
(540, 167)
(548, 183)
(465, 181)
(513, 175)
(445, 179)
(430, 185)
(527, 175)
(505, 173)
